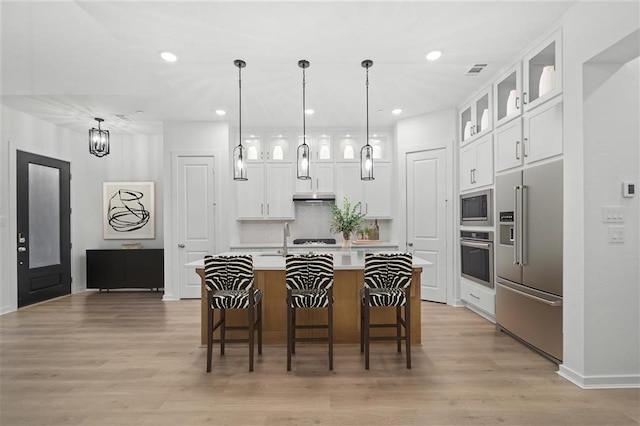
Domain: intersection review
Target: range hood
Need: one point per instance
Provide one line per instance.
(314, 197)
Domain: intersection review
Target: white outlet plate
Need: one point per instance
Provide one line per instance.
(617, 234)
(613, 214)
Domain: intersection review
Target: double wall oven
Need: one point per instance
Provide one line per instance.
(476, 256)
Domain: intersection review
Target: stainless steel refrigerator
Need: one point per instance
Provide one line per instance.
(529, 256)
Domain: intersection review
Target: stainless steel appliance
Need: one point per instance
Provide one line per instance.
(476, 256)
(529, 256)
(476, 208)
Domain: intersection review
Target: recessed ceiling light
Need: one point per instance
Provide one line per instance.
(433, 55)
(396, 111)
(168, 56)
(221, 112)
(309, 111)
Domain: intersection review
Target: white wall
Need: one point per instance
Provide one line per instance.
(612, 292)
(582, 348)
(429, 131)
(196, 138)
(131, 158)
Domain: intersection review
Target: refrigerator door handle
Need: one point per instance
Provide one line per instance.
(550, 302)
(516, 231)
(523, 224)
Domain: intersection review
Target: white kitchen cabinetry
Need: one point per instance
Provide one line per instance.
(374, 196)
(349, 145)
(542, 69)
(280, 149)
(268, 192)
(321, 166)
(476, 117)
(509, 147)
(478, 296)
(476, 164)
(543, 132)
(507, 95)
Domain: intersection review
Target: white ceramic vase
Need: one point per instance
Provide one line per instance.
(512, 100)
(278, 153)
(467, 131)
(348, 152)
(484, 120)
(547, 80)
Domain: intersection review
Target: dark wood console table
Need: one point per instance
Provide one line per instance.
(122, 268)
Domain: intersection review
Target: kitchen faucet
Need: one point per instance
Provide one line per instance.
(287, 233)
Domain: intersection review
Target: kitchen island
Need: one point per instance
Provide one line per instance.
(269, 276)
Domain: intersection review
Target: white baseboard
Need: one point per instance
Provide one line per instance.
(169, 298)
(599, 382)
(7, 309)
(480, 312)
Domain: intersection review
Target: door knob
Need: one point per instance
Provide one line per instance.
(410, 244)
(22, 249)
(181, 245)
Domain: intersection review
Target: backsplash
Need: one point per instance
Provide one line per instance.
(312, 221)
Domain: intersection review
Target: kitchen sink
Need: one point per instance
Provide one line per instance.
(270, 253)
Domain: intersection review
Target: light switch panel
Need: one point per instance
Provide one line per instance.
(613, 214)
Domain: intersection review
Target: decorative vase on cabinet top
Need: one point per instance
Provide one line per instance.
(484, 120)
(278, 153)
(547, 80)
(348, 152)
(512, 102)
(467, 131)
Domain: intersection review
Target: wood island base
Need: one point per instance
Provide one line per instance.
(346, 308)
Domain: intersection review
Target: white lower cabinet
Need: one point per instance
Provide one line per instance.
(476, 164)
(479, 296)
(268, 192)
(374, 196)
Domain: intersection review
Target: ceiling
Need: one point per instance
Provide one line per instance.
(70, 61)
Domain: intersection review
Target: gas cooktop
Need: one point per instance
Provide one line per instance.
(314, 241)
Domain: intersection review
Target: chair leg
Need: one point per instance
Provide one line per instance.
(361, 326)
(293, 330)
(289, 332)
(330, 331)
(399, 328)
(251, 333)
(223, 326)
(407, 328)
(260, 328)
(209, 337)
(367, 331)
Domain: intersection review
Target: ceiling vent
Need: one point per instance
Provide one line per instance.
(475, 70)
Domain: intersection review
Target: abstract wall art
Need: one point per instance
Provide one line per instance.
(128, 210)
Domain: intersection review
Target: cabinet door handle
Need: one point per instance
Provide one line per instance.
(317, 184)
(517, 150)
(526, 147)
(517, 102)
(261, 208)
(181, 245)
(267, 209)
(524, 98)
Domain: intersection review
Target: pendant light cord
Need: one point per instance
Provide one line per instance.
(304, 105)
(367, 85)
(240, 108)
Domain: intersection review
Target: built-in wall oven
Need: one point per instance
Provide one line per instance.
(476, 256)
(476, 208)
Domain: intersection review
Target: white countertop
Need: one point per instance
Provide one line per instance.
(347, 259)
(305, 247)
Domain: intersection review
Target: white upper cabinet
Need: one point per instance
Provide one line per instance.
(348, 146)
(280, 149)
(476, 117)
(267, 193)
(476, 164)
(321, 165)
(254, 146)
(507, 95)
(543, 132)
(543, 72)
(374, 196)
(509, 145)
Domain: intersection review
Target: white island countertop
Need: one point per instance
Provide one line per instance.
(353, 259)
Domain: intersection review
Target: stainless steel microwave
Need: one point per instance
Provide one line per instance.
(476, 208)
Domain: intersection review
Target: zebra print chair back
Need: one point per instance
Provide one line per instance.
(388, 270)
(228, 272)
(309, 272)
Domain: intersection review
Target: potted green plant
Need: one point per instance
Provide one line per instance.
(346, 220)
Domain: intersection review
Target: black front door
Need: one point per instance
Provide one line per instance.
(44, 228)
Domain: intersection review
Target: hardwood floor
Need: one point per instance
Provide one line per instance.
(127, 358)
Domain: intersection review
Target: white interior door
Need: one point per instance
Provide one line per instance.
(426, 220)
(195, 190)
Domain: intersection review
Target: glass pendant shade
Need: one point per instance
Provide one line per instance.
(239, 163)
(366, 162)
(99, 140)
(303, 162)
(239, 153)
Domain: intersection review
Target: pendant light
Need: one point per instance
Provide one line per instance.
(239, 153)
(366, 153)
(303, 154)
(99, 140)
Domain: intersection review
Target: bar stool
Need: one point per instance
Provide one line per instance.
(387, 283)
(309, 281)
(229, 282)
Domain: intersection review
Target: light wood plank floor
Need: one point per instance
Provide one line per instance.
(127, 358)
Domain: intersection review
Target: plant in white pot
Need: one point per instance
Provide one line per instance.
(346, 220)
